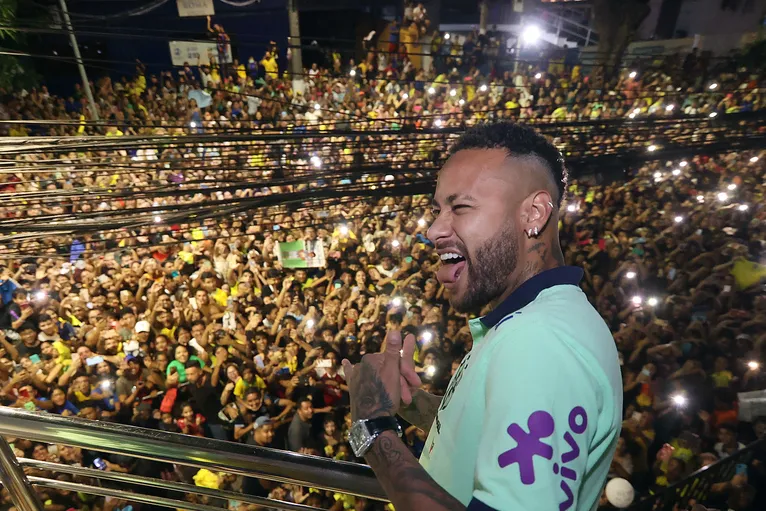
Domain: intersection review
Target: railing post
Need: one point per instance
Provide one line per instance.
(13, 478)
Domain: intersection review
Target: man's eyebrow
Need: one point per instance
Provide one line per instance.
(455, 196)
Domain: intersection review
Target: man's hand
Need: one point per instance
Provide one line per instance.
(377, 384)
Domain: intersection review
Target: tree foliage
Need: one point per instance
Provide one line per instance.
(616, 22)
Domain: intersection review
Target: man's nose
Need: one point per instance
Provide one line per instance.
(440, 228)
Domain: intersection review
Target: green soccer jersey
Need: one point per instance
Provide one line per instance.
(531, 418)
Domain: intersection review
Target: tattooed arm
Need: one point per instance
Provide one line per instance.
(422, 411)
(405, 482)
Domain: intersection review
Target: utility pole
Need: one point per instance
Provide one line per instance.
(78, 58)
(296, 57)
(483, 16)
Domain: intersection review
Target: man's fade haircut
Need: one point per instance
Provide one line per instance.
(519, 142)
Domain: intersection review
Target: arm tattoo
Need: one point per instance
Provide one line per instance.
(422, 411)
(406, 483)
(371, 396)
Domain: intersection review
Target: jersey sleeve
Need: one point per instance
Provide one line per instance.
(541, 414)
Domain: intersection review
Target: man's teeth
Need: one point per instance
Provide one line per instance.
(450, 256)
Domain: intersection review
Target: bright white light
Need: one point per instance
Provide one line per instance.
(40, 295)
(632, 115)
(438, 123)
(427, 336)
(405, 96)
(531, 34)
(678, 219)
(630, 275)
(571, 208)
(430, 371)
(317, 106)
(652, 302)
(679, 399)
(343, 230)
(422, 222)
(658, 175)
(395, 243)
(700, 198)
(636, 111)
(389, 177)
(731, 186)
(396, 302)
(683, 164)
(310, 323)
(483, 88)
(713, 86)
(446, 36)
(636, 300)
(431, 90)
(713, 114)
(722, 196)
(753, 159)
(676, 172)
(651, 148)
(633, 74)
(753, 365)
(538, 76)
(316, 161)
(461, 102)
(352, 72)
(453, 92)
(742, 207)
(670, 107)
(157, 219)
(192, 124)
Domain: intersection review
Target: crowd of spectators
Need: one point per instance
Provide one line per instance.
(197, 328)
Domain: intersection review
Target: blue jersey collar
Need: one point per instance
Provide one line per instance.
(528, 291)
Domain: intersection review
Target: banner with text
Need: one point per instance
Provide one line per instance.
(195, 53)
(195, 8)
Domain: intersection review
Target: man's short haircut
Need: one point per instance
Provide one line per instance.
(42, 318)
(193, 363)
(208, 275)
(520, 142)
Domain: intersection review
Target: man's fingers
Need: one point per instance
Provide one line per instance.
(407, 367)
(406, 392)
(394, 344)
(347, 370)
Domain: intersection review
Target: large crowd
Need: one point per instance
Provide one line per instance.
(201, 328)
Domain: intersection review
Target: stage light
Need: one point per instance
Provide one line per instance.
(531, 34)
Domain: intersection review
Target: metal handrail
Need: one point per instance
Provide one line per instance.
(132, 479)
(246, 460)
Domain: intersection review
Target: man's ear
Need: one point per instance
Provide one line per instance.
(537, 210)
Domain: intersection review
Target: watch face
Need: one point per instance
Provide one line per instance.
(359, 437)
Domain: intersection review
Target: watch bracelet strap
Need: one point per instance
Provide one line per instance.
(378, 425)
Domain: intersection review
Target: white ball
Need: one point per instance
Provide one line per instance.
(620, 493)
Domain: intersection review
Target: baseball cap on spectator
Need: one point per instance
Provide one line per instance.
(143, 327)
(134, 358)
(262, 421)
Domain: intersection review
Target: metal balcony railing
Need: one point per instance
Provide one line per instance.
(216, 455)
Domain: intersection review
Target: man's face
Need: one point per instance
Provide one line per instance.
(193, 374)
(28, 337)
(476, 201)
(48, 327)
(306, 411)
(254, 401)
(265, 434)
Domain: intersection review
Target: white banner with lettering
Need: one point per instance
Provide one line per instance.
(195, 8)
(195, 53)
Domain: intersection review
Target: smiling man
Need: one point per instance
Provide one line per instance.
(531, 417)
